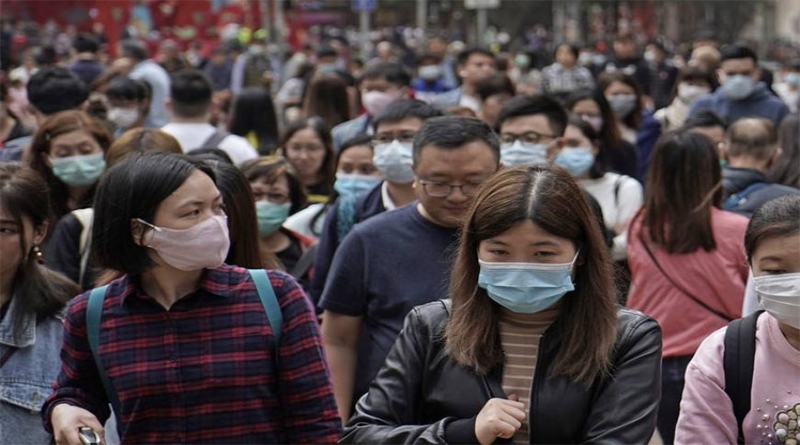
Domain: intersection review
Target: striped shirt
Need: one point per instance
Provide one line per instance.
(520, 335)
(205, 370)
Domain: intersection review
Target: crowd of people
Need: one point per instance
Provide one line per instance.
(445, 248)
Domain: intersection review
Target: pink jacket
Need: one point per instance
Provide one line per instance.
(706, 411)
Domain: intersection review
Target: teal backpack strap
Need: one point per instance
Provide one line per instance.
(270, 302)
(94, 313)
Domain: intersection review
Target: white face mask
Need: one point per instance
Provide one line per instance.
(689, 92)
(520, 153)
(123, 117)
(780, 296)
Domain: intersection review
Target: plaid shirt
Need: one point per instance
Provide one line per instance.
(205, 370)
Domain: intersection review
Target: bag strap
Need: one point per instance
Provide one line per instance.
(86, 218)
(739, 199)
(737, 362)
(270, 302)
(617, 184)
(215, 139)
(94, 315)
(679, 287)
(305, 262)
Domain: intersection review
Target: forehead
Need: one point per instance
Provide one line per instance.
(522, 124)
(479, 59)
(412, 124)
(375, 82)
(72, 138)
(198, 186)
(617, 86)
(475, 157)
(280, 182)
(357, 153)
(783, 247)
(304, 135)
(586, 105)
(738, 64)
(716, 134)
(573, 132)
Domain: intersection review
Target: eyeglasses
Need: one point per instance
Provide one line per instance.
(387, 138)
(442, 190)
(529, 137)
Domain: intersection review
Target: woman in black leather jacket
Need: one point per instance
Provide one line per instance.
(533, 348)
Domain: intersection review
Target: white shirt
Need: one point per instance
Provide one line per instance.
(473, 103)
(618, 208)
(192, 136)
(388, 204)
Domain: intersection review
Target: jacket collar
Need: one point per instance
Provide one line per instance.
(223, 282)
(26, 336)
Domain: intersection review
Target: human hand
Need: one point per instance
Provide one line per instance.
(67, 419)
(499, 418)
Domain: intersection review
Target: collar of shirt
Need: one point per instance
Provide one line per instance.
(26, 336)
(388, 204)
(224, 281)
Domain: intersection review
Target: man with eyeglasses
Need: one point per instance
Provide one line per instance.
(401, 259)
(531, 130)
(741, 94)
(393, 134)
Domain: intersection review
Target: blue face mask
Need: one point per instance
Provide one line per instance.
(738, 87)
(271, 216)
(394, 160)
(520, 153)
(355, 185)
(793, 79)
(79, 171)
(575, 160)
(526, 288)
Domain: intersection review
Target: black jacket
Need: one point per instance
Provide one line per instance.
(422, 396)
(736, 180)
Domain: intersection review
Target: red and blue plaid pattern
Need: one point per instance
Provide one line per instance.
(204, 371)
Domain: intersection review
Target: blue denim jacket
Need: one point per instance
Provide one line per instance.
(27, 377)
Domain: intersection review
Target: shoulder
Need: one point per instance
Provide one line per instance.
(634, 327)
(384, 224)
(344, 126)
(430, 318)
(236, 142)
(729, 220)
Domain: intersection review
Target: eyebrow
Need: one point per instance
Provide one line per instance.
(7, 221)
(770, 258)
(536, 244)
(199, 202)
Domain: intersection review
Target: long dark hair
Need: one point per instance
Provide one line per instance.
(24, 196)
(684, 182)
(598, 169)
(609, 132)
(327, 98)
(551, 199)
(634, 119)
(254, 111)
(328, 170)
(58, 124)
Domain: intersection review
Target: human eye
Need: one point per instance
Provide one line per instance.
(499, 252)
(219, 208)
(8, 230)
(530, 138)
(193, 213)
(507, 138)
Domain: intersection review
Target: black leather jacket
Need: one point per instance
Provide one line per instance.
(422, 396)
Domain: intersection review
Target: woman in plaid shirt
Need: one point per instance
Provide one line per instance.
(184, 339)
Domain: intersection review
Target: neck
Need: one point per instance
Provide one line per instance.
(75, 195)
(310, 180)
(568, 66)
(276, 241)
(190, 120)
(791, 334)
(85, 56)
(166, 285)
(468, 89)
(6, 288)
(748, 163)
(401, 194)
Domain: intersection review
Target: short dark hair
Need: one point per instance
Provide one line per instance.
(704, 119)
(451, 132)
(572, 48)
(53, 89)
(777, 218)
(495, 84)
(190, 90)
(428, 57)
(133, 189)
(463, 56)
(211, 154)
(394, 73)
(326, 51)
(85, 43)
(125, 88)
(405, 109)
(538, 104)
(736, 51)
(134, 49)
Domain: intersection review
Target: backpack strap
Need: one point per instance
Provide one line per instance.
(270, 302)
(85, 217)
(738, 358)
(215, 139)
(305, 262)
(739, 199)
(94, 314)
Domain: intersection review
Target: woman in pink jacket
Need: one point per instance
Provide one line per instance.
(708, 414)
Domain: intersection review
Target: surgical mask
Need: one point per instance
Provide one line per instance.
(256, 49)
(271, 216)
(585, 58)
(522, 60)
(689, 92)
(79, 171)
(738, 87)
(622, 104)
(377, 101)
(202, 246)
(599, 59)
(430, 72)
(595, 121)
(780, 296)
(793, 79)
(575, 160)
(649, 56)
(520, 153)
(123, 117)
(526, 288)
(395, 161)
(354, 185)
(327, 68)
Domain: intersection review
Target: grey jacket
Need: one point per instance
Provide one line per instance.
(27, 377)
(350, 129)
(736, 180)
(446, 100)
